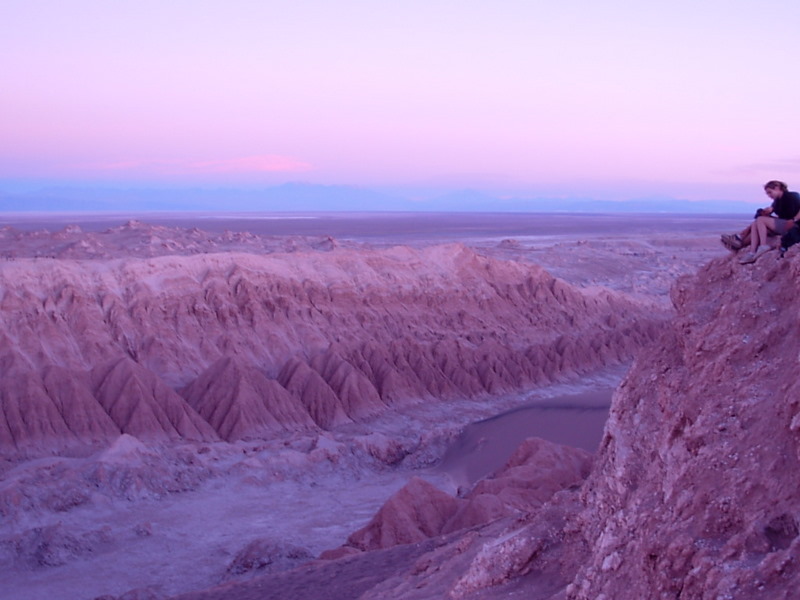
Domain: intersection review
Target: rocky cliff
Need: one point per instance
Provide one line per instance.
(695, 493)
(239, 346)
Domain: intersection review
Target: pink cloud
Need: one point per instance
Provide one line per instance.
(266, 163)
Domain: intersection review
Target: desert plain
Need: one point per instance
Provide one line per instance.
(230, 406)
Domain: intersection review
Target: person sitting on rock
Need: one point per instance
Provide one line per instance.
(786, 208)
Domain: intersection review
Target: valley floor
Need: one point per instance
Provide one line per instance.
(302, 496)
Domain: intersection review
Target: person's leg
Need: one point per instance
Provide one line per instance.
(760, 231)
(760, 237)
(755, 234)
(744, 235)
(769, 228)
(736, 241)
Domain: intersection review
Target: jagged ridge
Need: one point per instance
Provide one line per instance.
(346, 333)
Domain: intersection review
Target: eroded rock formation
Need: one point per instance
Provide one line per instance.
(240, 402)
(344, 333)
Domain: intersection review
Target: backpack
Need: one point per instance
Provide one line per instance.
(789, 239)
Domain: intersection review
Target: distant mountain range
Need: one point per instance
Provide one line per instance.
(299, 197)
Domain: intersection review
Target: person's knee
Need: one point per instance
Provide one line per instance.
(765, 224)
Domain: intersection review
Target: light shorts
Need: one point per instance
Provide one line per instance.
(782, 226)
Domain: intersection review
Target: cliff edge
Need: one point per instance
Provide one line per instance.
(695, 491)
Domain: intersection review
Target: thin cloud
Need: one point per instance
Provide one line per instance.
(773, 166)
(266, 163)
(120, 165)
(252, 164)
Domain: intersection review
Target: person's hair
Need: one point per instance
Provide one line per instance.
(771, 185)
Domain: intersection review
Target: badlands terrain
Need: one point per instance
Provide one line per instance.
(394, 406)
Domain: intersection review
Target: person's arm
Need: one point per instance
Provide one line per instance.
(796, 217)
(766, 211)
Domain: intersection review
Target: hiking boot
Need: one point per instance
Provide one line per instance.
(751, 257)
(761, 250)
(732, 241)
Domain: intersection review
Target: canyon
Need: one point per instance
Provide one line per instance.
(193, 406)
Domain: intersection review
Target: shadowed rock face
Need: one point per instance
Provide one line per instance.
(345, 333)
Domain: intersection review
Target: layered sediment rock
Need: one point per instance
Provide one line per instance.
(346, 333)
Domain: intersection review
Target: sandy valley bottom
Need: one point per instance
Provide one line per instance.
(140, 516)
(189, 540)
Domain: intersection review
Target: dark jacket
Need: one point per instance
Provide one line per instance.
(787, 206)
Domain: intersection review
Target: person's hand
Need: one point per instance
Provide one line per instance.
(760, 212)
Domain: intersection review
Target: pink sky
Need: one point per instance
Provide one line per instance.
(691, 99)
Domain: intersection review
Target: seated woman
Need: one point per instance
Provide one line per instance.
(786, 208)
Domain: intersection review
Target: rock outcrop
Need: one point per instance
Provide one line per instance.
(417, 512)
(531, 476)
(695, 492)
(265, 556)
(537, 470)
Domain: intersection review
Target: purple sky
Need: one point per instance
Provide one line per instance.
(613, 99)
